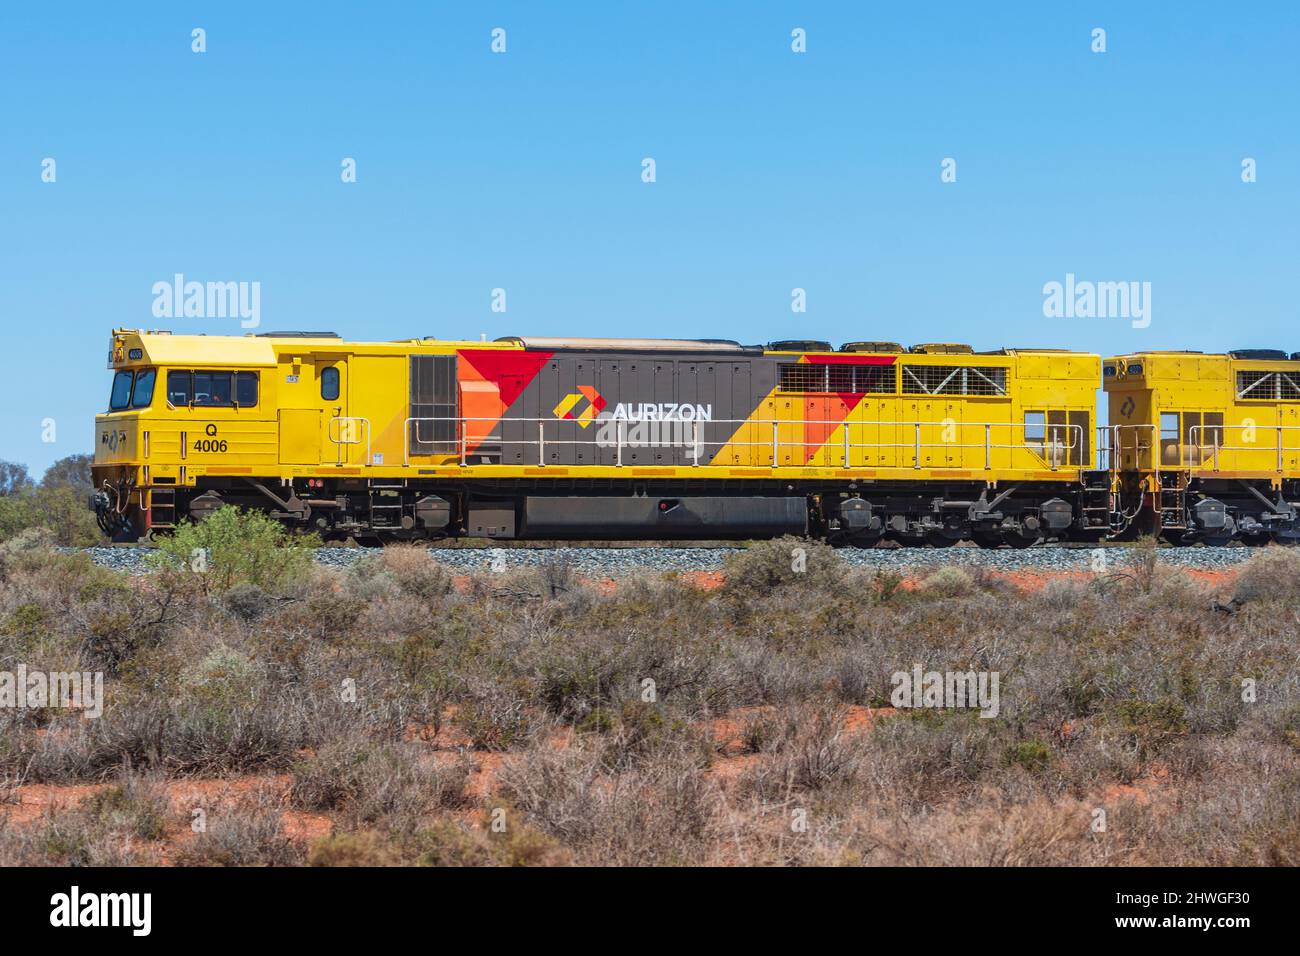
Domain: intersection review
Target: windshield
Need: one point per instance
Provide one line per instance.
(143, 394)
(120, 397)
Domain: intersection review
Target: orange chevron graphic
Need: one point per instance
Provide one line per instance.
(595, 402)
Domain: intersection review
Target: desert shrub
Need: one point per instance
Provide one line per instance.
(224, 728)
(369, 578)
(363, 848)
(885, 585)
(1273, 574)
(812, 752)
(781, 562)
(1149, 724)
(552, 578)
(136, 804)
(248, 833)
(118, 825)
(1063, 594)
(247, 602)
(948, 582)
(927, 754)
(447, 843)
(1144, 560)
(64, 837)
(233, 546)
(642, 731)
(223, 674)
(1033, 755)
(409, 568)
(377, 782)
(25, 543)
(663, 812)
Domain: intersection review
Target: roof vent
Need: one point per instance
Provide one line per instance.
(871, 347)
(1260, 355)
(942, 348)
(799, 345)
(296, 335)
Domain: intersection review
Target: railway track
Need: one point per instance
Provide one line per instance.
(625, 558)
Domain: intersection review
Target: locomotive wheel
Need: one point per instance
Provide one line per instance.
(865, 541)
(987, 539)
(1286, 541)
(1255, 540)
(1019, 541)
(1217, 541)
(1174, 536)
(937, 539)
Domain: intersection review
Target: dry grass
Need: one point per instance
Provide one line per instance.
(530, 718)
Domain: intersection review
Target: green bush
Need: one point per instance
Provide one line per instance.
(1150, 724)
(60, 509)
(1033, 755)
(234, 546)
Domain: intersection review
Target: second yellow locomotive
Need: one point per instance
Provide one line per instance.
(1206, 447)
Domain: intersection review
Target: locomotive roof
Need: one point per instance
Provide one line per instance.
(164, 348)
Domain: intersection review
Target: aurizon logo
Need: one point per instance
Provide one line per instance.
(595, 402)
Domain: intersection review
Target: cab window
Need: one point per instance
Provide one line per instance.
(209, 389)
(246, 389)
(142, 396)
(180, 387)
(329, 384)
(1035, 427)
(120, 397)
(212, 389)
(1169, 438)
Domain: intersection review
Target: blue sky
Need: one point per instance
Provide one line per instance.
(522, 171)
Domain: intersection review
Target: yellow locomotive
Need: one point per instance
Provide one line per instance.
(602, 438)
(1205, 447)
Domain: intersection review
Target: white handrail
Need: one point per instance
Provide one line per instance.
(1056, 452)
(339, 441)
(1279, 443)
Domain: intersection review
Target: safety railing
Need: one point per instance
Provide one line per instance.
(1114, 441)
(617, 435)
(1267, 445)
(342, 431)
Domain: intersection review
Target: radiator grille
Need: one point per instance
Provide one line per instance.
(850, 379)
(433, 396)
(954, 380)
(1277, 386)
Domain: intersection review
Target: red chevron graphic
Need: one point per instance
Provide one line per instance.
(491, 380)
